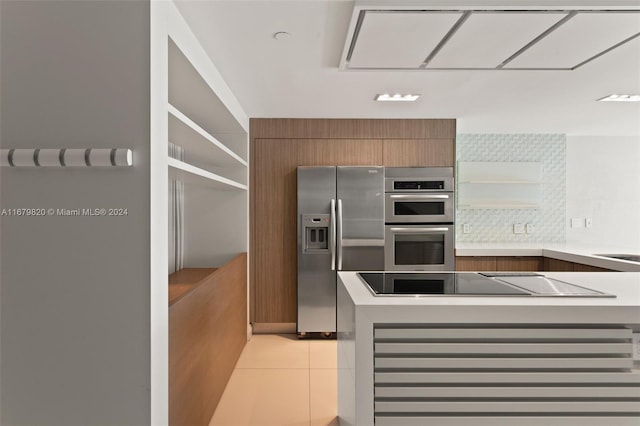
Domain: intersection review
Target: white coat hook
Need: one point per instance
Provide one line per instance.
(66, 157)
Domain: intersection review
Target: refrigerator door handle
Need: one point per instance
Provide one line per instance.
(339, 236)
(332, 238)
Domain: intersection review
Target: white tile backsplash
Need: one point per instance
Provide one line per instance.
(496, 225)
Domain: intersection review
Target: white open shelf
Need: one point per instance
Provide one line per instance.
(499, 185)
(198, 142)
(191, 91)
(213, 133)
(497, 204)
(179, 170)
(202, 150)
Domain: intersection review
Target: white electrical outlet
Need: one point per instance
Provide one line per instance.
(518, 228)
(466, 228)
(577, 222)
(530, 228)
(636, 346)
(588, 223)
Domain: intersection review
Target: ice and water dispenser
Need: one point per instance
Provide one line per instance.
(316, 233)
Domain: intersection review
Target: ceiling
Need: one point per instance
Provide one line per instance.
(306, 75)
(481, 39)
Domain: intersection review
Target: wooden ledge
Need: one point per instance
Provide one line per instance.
(185, 280)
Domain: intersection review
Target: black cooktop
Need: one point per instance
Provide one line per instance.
(437, 283)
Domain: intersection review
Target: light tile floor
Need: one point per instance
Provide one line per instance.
(280, 380)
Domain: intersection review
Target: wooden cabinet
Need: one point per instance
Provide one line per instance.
(418, 152)
(556, 265)
(499, 263)
(207, 332)
(519, 263)
(476, 263)
(579, 267)
(273, 236)
(278, 147)
(338, 152)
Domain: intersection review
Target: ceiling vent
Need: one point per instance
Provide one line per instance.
(385, 39)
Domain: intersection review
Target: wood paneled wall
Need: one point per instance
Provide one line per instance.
(207, 332)
(278, 147)
(320, 128)
(415, 152)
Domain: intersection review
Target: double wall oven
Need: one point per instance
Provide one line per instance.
(419, 219)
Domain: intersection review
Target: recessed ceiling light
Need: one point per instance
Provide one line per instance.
(621, 98)
(397, 97)
(281, 35)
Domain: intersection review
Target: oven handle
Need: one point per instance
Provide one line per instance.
(332, 240)
(412, 230)
(420, 196)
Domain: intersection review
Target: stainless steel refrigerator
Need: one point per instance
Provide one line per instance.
(340, 228)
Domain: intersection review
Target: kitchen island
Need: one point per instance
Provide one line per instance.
(490, 360)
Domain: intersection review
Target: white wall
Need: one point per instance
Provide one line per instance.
(603, 183)
(74, 291)
(215, 226)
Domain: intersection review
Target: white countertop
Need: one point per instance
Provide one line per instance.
(569, 252)
(624, 285)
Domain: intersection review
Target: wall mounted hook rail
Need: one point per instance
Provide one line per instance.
(116, 157)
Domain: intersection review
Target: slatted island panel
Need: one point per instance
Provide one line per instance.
(434, 375)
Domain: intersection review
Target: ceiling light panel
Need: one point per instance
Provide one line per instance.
(399, 39)
(488, 38)
(579, 39)
(621, 98)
